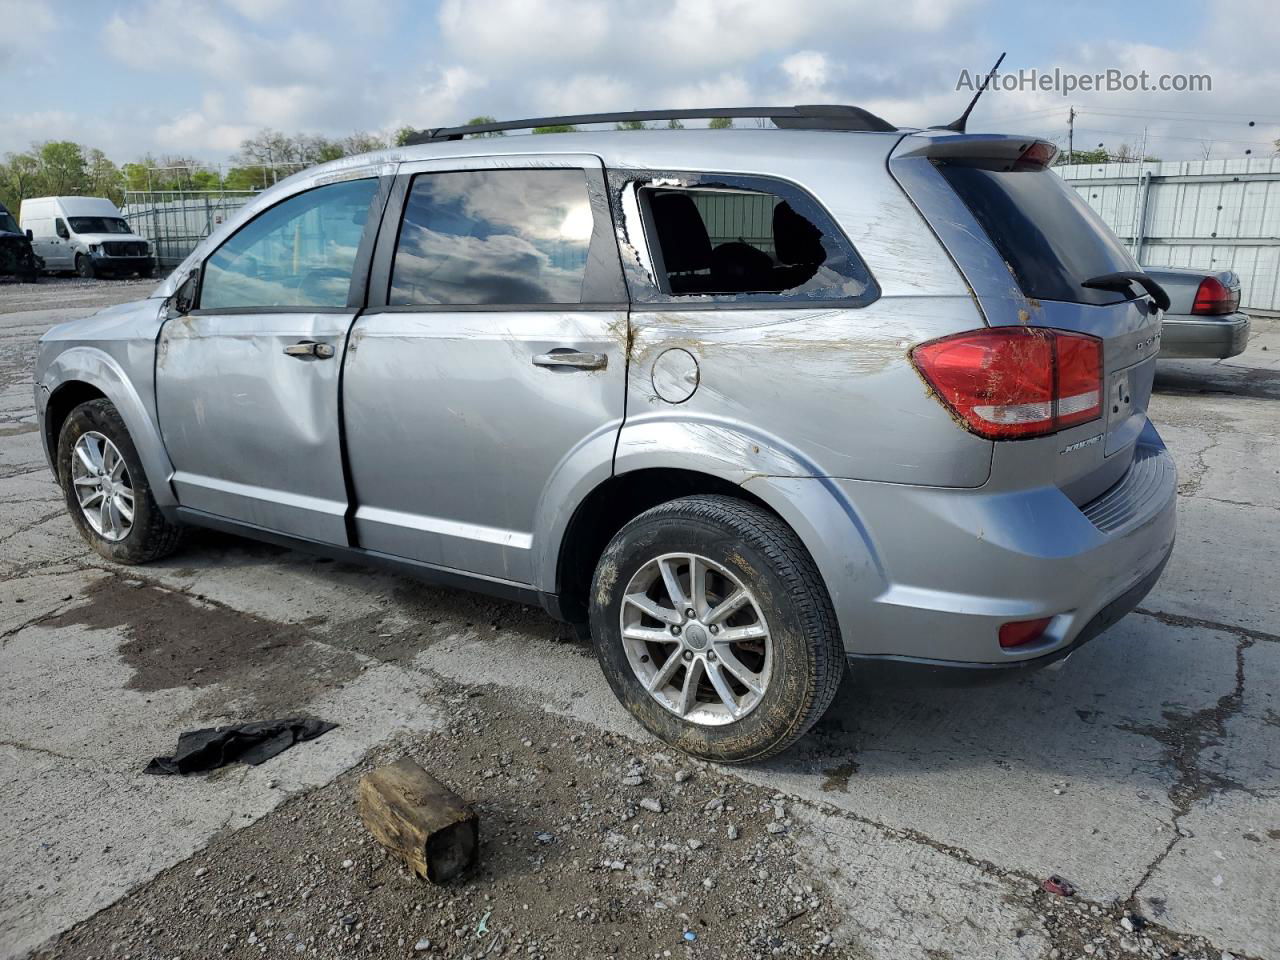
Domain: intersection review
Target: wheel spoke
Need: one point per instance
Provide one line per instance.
(649, 634)
(675, 592)
(92, 498)
(729, 660)
(663, 676)
(752, 631)
(85, 481)
(653, 608)
(698, 585)
(123, 509)
(728, 606)
(104, 518)
(722, 688)
(117, 471)
(689, 693)
(85, 451)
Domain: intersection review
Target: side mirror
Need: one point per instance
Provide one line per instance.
(30, 235)
(63, 232)
(184, 298)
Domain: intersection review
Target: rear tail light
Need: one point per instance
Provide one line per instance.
(1214, 298)
(1037, 156)
(1010, 383)
(1019, 633)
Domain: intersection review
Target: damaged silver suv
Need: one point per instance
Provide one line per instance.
(754, 405)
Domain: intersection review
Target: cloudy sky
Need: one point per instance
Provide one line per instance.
(193, 77)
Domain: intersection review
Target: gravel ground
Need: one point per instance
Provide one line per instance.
(592, 846)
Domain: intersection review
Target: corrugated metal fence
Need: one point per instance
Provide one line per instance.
(1219, 214)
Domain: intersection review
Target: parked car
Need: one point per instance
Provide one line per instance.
(749, 406)
(17, 261)
(87, 235)
(1204, 318)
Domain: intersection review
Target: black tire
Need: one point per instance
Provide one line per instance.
(768, 557)
(146, 273)
(84, 267)
(151, 536)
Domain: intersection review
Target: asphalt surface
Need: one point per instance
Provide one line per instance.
(910, 823)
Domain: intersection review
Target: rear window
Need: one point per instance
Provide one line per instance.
(1047, 234)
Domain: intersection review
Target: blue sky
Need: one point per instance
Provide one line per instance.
(194, 78)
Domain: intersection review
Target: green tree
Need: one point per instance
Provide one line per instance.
(556, 128)
(19, 179)
(631, 125)
(63, 171)
(402, 136)
(104, 177)
(674, 124)
(721, 123)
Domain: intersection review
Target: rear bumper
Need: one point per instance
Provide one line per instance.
(924, 672)
(926, 576)
(1207, 338)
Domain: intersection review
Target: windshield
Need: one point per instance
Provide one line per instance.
(7, 223)
(98, 225)
(1043, 229)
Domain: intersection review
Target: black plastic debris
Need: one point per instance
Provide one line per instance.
(251, 743)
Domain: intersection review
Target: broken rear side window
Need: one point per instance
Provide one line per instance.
(737, 240)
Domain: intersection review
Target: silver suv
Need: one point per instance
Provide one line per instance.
(750, 404)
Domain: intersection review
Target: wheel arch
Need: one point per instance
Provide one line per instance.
(608, 507)
(81, 374)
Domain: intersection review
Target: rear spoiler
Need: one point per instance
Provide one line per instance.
(984, 148)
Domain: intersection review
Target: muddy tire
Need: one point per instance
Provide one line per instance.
(96, 456)
(757, 637)
(84, 267)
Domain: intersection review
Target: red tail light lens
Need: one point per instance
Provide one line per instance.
(1037, 156)
(1009, 383)
(1214, 298)
(1021, 632)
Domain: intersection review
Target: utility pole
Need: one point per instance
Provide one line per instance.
(1071, 134)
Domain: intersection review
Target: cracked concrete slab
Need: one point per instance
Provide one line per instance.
(81, 825)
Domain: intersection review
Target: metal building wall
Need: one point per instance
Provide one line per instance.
(1219, 214)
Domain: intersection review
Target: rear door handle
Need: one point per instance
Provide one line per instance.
(570, 358)
(309, 348)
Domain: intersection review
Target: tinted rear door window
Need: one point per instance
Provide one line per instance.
(1044, 230)
(494, 237)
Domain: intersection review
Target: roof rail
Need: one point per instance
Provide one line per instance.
(820, 116)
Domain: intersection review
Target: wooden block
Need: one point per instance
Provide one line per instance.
(420, 820)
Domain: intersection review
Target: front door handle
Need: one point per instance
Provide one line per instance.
(570, 358)
(309, 348)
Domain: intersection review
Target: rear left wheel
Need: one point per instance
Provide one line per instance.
(714, 628)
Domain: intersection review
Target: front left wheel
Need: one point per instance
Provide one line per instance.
(106, 490)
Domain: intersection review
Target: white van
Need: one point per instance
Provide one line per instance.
(84, 234)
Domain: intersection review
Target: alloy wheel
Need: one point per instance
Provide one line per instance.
(102, 485)
(697, 639)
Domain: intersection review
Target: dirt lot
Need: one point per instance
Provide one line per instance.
(911, 823)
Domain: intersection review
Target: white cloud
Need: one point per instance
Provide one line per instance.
(22, 25)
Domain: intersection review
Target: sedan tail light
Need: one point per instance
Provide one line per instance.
(1214, 298)
(1012, 383)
